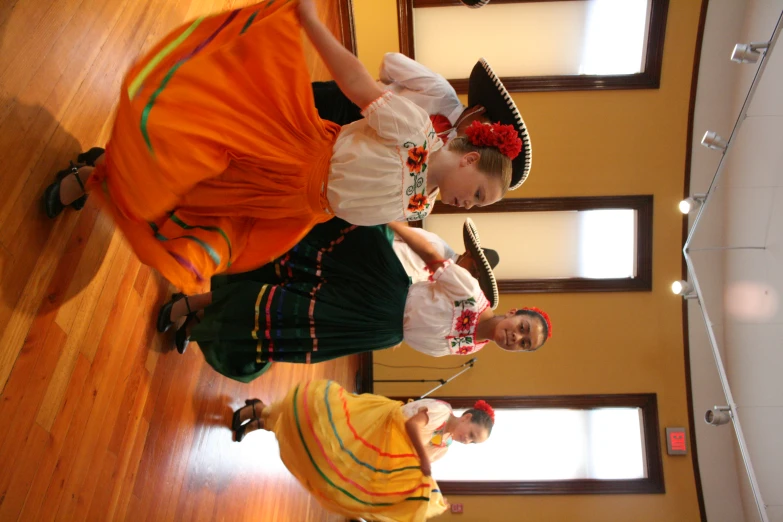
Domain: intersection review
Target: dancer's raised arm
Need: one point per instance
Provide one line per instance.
(347, 70)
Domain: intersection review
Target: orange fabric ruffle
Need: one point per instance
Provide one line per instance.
(218, 160)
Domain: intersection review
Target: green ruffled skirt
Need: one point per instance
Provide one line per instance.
(340, 291)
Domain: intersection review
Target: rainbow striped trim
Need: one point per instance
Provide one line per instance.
(137, 82)
(219, 230)
(340, 440)
(159, 57)
(420, 498)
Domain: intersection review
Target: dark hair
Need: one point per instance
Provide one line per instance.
(481, 418)
(536, 315)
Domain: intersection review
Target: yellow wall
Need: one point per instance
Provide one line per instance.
(588, 143)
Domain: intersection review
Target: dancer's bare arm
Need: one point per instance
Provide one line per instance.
(349, 73)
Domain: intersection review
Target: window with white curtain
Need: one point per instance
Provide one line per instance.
(579, 37)
(559, 444)
(551, 444)
(570, 244)
(595, 244)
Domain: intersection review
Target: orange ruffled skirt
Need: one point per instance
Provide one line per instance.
(353, 454)
(218, 161)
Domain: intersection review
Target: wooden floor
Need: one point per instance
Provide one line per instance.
(99, 420)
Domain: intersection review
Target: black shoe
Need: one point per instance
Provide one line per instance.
(87, 158)
(235, 422)
(164, 315)
(239, 433)
(182, 337)
(51, 198)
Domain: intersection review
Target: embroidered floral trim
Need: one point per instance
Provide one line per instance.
(466, 314)
(415, 161)
(418, 202)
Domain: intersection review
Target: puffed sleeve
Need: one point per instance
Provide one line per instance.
(396, 119)
(456, 282)
(438, 412)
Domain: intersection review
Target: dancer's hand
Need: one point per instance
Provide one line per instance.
(307, 10)
(426, 467)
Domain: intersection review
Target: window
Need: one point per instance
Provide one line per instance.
(557, 45)
(570, 444)
(552, 444)
(581, 244)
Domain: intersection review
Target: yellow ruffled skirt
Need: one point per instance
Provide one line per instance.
(353, 454)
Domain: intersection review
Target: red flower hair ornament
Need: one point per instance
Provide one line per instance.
(545, 316)
(486, 408)
(504, 137)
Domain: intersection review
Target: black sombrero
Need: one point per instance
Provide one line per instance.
(486, 89)
(486, 277)
(475, 4)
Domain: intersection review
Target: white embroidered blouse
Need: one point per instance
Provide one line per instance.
(433, 435)
(427, 89)
(378, 170)
(441, 315)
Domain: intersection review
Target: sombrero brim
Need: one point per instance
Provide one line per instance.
(486, 277)
(475, 4)
(486, 89)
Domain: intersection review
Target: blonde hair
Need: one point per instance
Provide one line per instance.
(491, 162)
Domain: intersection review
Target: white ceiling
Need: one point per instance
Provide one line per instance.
(743, 288)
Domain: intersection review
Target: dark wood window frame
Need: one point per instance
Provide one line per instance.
(643, 205)
(647, 402)
(650, 78)
(347, 27)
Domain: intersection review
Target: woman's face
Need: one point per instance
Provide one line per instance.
(467, 432)
(466, 186)
(519, 333)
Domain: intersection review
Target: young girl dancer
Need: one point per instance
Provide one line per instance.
(342, 291)
(488, 101)
(218, 161)
(365, 455)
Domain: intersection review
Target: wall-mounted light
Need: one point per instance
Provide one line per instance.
(718, 415)
(748, 53)
(712, 140)
(684, 288)
(690, 204)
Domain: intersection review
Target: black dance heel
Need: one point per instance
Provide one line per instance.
(87, 158)
(182, 337)
(239, 433)
(51, 198)
(164, 315)
(235, 422)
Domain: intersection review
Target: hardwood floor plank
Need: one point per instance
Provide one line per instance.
(123, 498)
(75, 315)
(47, 341)
(91, 450)
(102, 375)
(33, 293)
(114, 416)
(32, 454)
(161, 471)
(90, 273)
(116, 282)
(59, 432)
(102, 496)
